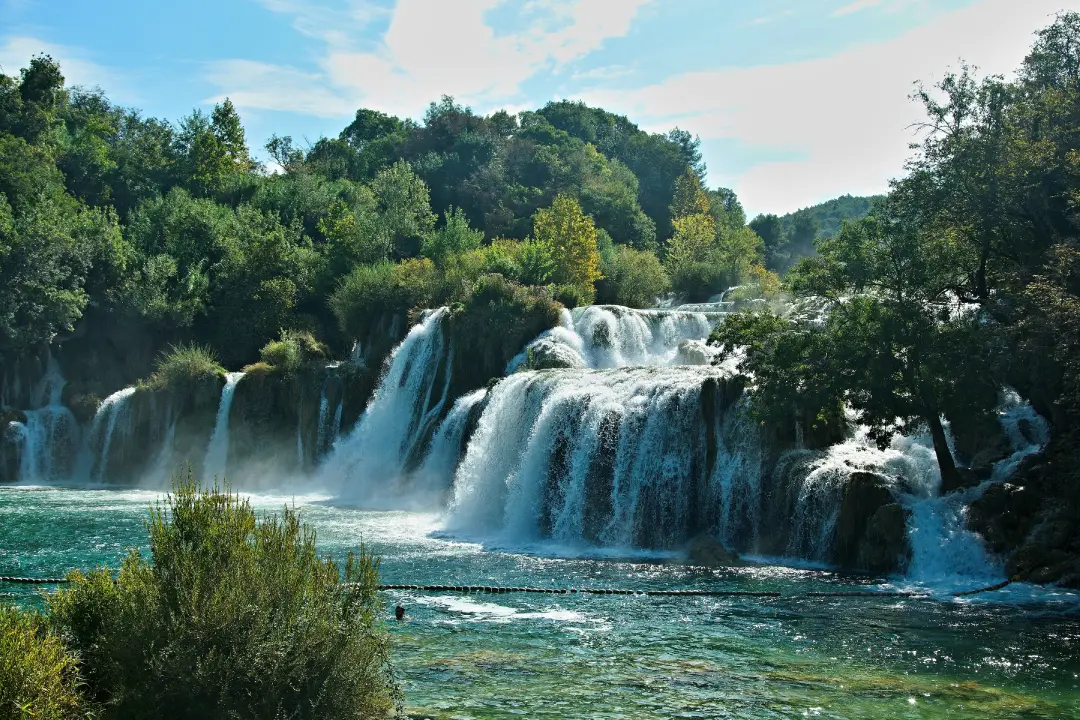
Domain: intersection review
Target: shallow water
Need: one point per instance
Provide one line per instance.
(1013, 654)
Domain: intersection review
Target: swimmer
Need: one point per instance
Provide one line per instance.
(399, 612)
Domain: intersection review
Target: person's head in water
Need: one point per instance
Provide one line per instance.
(399, 612)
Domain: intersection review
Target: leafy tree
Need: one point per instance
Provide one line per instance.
(634, 278)
(39, 675)
(404, 208)
(453, 238)
(571, 237)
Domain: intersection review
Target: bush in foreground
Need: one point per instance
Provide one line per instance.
(232, 617)
(39, 677)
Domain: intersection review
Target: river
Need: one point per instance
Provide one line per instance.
(1010, 654)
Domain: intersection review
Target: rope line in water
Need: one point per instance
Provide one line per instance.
(491, 589)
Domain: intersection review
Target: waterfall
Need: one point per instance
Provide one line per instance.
(112, 410)
(217, 453)
(50, 437)
(612, 457)
(944, 551)
(370, 463)
(609, 336)
(328, 428)
(437, 472)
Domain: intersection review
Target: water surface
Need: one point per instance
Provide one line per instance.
(1010, 655)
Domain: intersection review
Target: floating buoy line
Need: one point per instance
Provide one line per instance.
(499, 590)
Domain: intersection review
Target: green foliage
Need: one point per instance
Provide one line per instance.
(570, 236)
(498, 320)
(289, 352)
(634, 278)
(791, 237)
(453, 238)
(229, 616)
(39, 676)
(182, 365)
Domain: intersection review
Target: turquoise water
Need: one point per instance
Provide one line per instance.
(1013, 655)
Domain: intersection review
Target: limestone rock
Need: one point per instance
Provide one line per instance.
(871, 528)
(710, 552)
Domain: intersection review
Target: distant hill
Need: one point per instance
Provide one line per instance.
(791, 237)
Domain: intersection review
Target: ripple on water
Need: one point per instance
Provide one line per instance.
(481, 656)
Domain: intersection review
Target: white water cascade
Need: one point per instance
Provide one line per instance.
(436, 474)
(217, 452)
(50, 437)
(114, 410)
(616, 458)
(609, 336)
(943, 549)
(369, 465)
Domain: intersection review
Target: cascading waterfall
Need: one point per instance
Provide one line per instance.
(944, 551)
(114, 410)
(609, 336)
(217, 452)
(329, 427)
(614, 458)
(436, 474)
(369, 465)
(50, 437)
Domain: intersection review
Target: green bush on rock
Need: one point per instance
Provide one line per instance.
(39, 677)
(232, 616)
(183, 365)
(291, 350)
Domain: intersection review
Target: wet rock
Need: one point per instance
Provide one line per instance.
(547, 354)
(1004, 515)
(871, 528)
(708, 551)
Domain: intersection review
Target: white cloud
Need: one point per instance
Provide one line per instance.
(846, 117)
(78, 69)
(856, 7)
(429, 49)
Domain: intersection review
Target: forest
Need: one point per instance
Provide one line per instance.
(173, 232)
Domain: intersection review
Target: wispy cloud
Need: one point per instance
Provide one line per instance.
(845, 117)
(765, 20)
(856, 6)
(429, 49)
(78, 68)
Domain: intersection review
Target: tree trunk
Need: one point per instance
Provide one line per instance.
(950, 477)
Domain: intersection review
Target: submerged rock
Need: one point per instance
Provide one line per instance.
(710, 552)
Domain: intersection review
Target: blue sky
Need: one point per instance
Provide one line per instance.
(795, 101)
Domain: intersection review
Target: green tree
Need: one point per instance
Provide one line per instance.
(404, 208)
(571, 237)
(453, 238)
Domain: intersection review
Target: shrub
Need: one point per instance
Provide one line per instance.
(182, 365)
(494, 325)
(39, 677)
(634, 278)
(232, 617)
(370, 290)
(291, 350)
